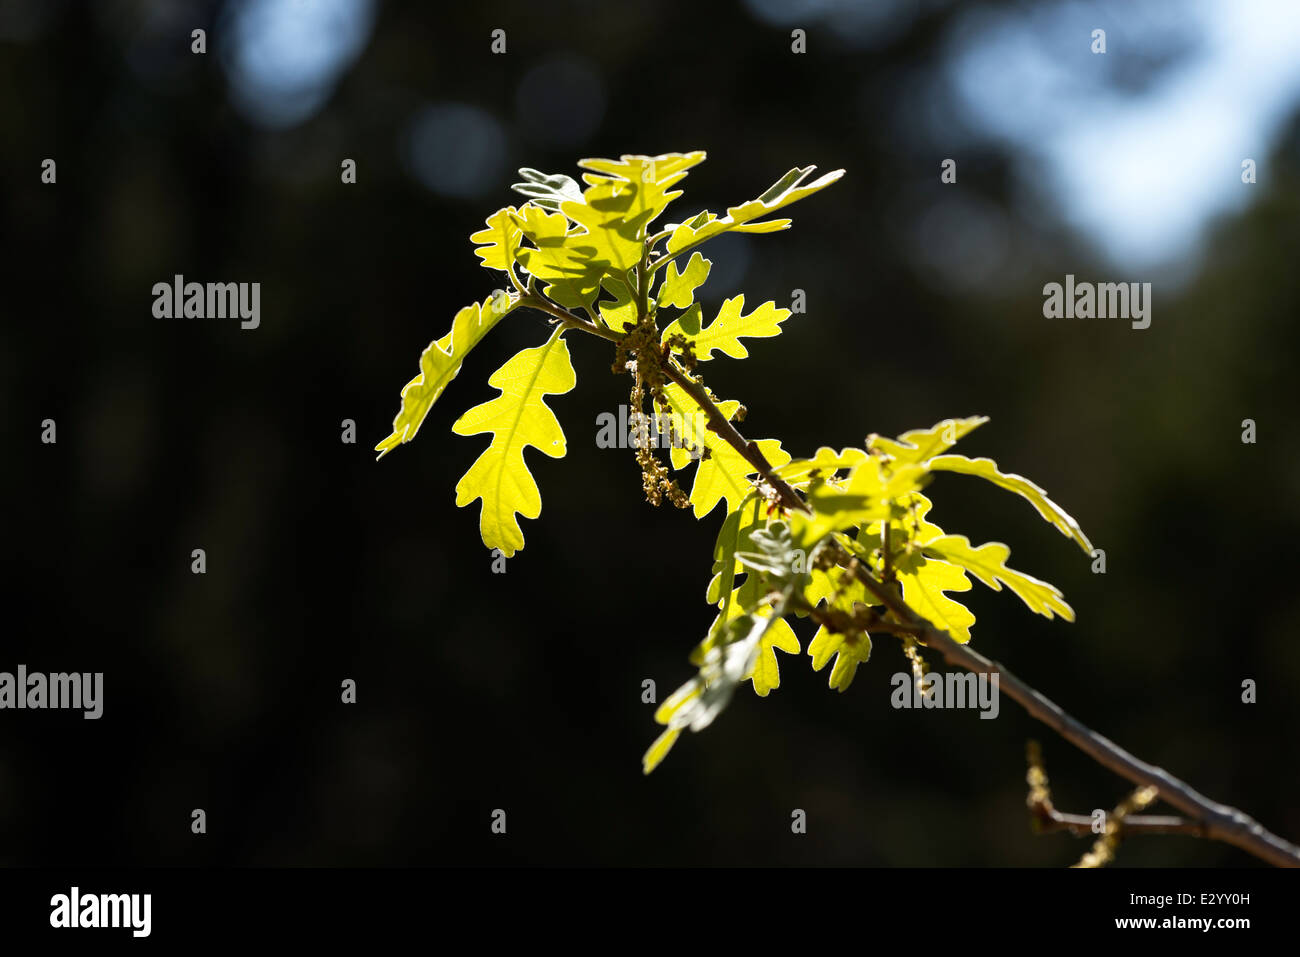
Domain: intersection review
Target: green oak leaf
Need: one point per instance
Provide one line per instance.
(738, 533)
(725, 475)
(620, 313)
(440, 363)
(617, 208)
(920, 445)
(722, 667)
(924, 582)
(499, 242)
(563, 258)
(988, 564)
(849, 651)
(865, 495)
(766, 674)
(733, 536)
(549, 192)
(909, 521)
(825, 463)
(782, 193)
(728, 327)
(988, 469)
(517, 418)
(678, 288)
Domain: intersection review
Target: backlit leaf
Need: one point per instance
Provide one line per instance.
(617, 208)
(825, 462)
(440, 363)
(924, 582)
(849, 651)
(766, 675)
(620, 312)
(498, 243)
(729, 327)
(517, 418)
(988, 469)
(678, 289)
(563, 258)
(988, 564)
(548, 191)
(782, 193)
(919, 445)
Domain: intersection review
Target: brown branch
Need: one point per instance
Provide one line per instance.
(542, 304)
(1219, 821)
(720, 424)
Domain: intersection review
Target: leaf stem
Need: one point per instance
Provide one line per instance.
(542, 304)
(720, 424)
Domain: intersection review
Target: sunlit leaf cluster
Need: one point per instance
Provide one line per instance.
(843, 537)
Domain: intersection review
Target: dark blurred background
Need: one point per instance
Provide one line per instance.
(521, 691)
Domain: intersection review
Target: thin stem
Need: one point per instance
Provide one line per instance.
(1080, 825)
(665, 257)
(720, 424)
(658, 238)
(839, 621)
(884, 550)
(1220, 822)
(542, 304)
(514, 280)
(643, 282)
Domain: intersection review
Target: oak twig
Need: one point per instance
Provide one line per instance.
(1207, 818)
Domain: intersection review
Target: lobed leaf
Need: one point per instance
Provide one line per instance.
(988, 564)
(549, 192)
(732, 536)
(678, 288)
(780, 194)
(517, 418)
(747, 600)
(865, 495)
(620, 313)
(825, 462)
(728, 327)
(440, 363)
(499, 242)
(908, 515)
(701, 699)
(766, 673)
(563, 258)
(988, 469)
(920, 445)
(617, 208)
(924, 582)
(849, 651)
